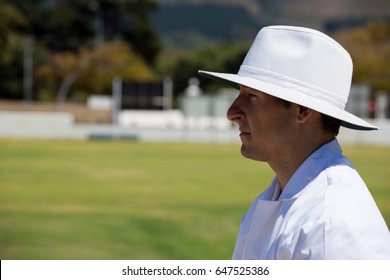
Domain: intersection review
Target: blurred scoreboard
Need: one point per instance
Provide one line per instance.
(142, 96)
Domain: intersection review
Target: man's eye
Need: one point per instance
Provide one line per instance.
(252, 95)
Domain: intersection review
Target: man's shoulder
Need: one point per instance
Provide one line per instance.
(333, 239)
(337, 194)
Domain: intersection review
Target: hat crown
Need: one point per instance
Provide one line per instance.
(306, 58)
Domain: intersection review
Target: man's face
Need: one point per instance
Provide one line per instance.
(265, 124)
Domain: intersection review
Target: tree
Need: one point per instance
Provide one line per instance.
(369, 47)
(63, 25)
(91, 70)
(224, 58)
(101, 66)
(11, 51)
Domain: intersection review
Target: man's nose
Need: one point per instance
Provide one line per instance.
(234, 113)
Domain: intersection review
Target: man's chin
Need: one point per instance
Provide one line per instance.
(250, 154)
(245, 152)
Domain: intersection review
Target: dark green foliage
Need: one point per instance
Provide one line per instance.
(219, 58)
(66, 25)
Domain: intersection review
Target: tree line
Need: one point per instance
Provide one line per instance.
(88, 40)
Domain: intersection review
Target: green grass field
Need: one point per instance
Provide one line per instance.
(129, 200)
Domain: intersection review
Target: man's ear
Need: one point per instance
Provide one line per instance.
(304, 114)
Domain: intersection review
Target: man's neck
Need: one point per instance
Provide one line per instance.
(285, 166)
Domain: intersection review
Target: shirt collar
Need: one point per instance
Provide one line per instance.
(311, 168)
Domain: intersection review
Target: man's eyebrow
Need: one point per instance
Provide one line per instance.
(248, 90)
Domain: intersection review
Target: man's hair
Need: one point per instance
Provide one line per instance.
(329, 124)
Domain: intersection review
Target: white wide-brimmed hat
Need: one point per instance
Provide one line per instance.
(300, 65)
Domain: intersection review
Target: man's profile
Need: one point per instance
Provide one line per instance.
(294, 84)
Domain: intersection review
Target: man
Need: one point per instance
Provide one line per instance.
(294, 83)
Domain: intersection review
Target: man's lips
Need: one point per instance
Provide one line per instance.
(244, 133)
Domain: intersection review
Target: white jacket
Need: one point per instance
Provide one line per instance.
(324, 212)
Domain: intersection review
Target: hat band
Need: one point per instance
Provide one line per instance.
(290, 83)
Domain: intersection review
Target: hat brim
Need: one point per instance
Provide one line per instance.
(348, 120)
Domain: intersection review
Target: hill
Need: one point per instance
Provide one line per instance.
(189, 24)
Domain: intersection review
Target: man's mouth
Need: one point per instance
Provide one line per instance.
(244, 133)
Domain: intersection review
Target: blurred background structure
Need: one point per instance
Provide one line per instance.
(90, 68)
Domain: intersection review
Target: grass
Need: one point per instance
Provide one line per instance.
(128, 200)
